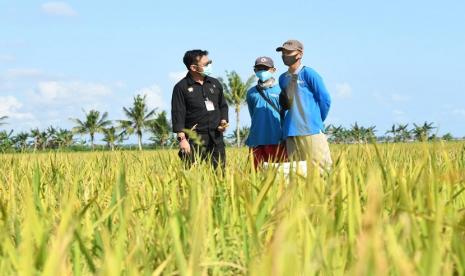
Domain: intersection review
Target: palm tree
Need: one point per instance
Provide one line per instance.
(2, 119)
(50, 133)
(329, 131)
(63, 138)
(6, 140)
(342, 134)
(393, 132)
(235, 92)
(39, 138)
(244, 133)
(20, 140)
(356, 133)
(421, 132)
(369, 133)
(139, 118)
(404, 133)
(418, 133)
(160, 129)
(448, 137)
(92, 124)
(337, 135)
(428, 127)
(111, 136)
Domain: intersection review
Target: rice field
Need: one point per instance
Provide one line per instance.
(390, 209)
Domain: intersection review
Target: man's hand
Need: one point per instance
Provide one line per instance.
(223, 125)
(185, 146)
(183, 143)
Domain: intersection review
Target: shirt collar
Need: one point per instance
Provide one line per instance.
(191, 81)
(296, 72)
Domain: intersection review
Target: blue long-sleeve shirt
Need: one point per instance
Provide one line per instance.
(310, 105)
(266, 122)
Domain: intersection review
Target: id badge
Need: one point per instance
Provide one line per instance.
(209, 105)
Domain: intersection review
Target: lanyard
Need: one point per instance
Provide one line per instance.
(205, 97)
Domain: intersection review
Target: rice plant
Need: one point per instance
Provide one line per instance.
(391, 209)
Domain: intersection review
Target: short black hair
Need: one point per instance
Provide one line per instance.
(192, 57)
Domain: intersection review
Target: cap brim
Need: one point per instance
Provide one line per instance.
(262, 64)
(280, 49)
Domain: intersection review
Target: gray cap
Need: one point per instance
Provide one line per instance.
(268, 62)
(291, 45)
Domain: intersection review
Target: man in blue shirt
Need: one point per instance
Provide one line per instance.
(307, 102)
(265, 134)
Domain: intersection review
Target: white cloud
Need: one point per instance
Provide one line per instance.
(391, 99)
(398, 112)
(58, 9)
(10, 106)
(119, 84)
(54, 102)
(7, 58)
(7, 104)
(177, 76)
(155, 97)
(343, 91)
(459, 111)
(400, 116)
(400, 98)
(70, 91)
(23, 73)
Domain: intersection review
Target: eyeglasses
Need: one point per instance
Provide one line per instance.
(206, 64)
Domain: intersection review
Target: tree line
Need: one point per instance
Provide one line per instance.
(141, 120)
(397, 133)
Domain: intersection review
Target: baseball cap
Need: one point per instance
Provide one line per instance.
(268, 62)
(291, 45)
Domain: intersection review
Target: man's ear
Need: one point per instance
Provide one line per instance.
(191, 68)
(273, 70)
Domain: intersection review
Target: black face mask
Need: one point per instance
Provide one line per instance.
(289, 60)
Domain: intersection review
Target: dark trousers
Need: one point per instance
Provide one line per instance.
(211, 148)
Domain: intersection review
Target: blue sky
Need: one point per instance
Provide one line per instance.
(383, 62)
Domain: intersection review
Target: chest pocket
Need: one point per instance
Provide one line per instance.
(193, 97)
(212, 92)
(212, 89)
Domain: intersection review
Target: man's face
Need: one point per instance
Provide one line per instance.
(201, 64)
(291, 57)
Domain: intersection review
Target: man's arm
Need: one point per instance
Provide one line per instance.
(321, 93)
(222, 104)
(178, 110)
(250, 103)
(178, 117)
(283, 98)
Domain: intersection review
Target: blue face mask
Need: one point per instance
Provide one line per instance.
(207, 70)
(264, 75)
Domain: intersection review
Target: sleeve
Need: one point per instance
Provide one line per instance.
(178, 109)
(283, 99)
(250, 103)
(280, 82)
(320, 92)
(223, 105)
